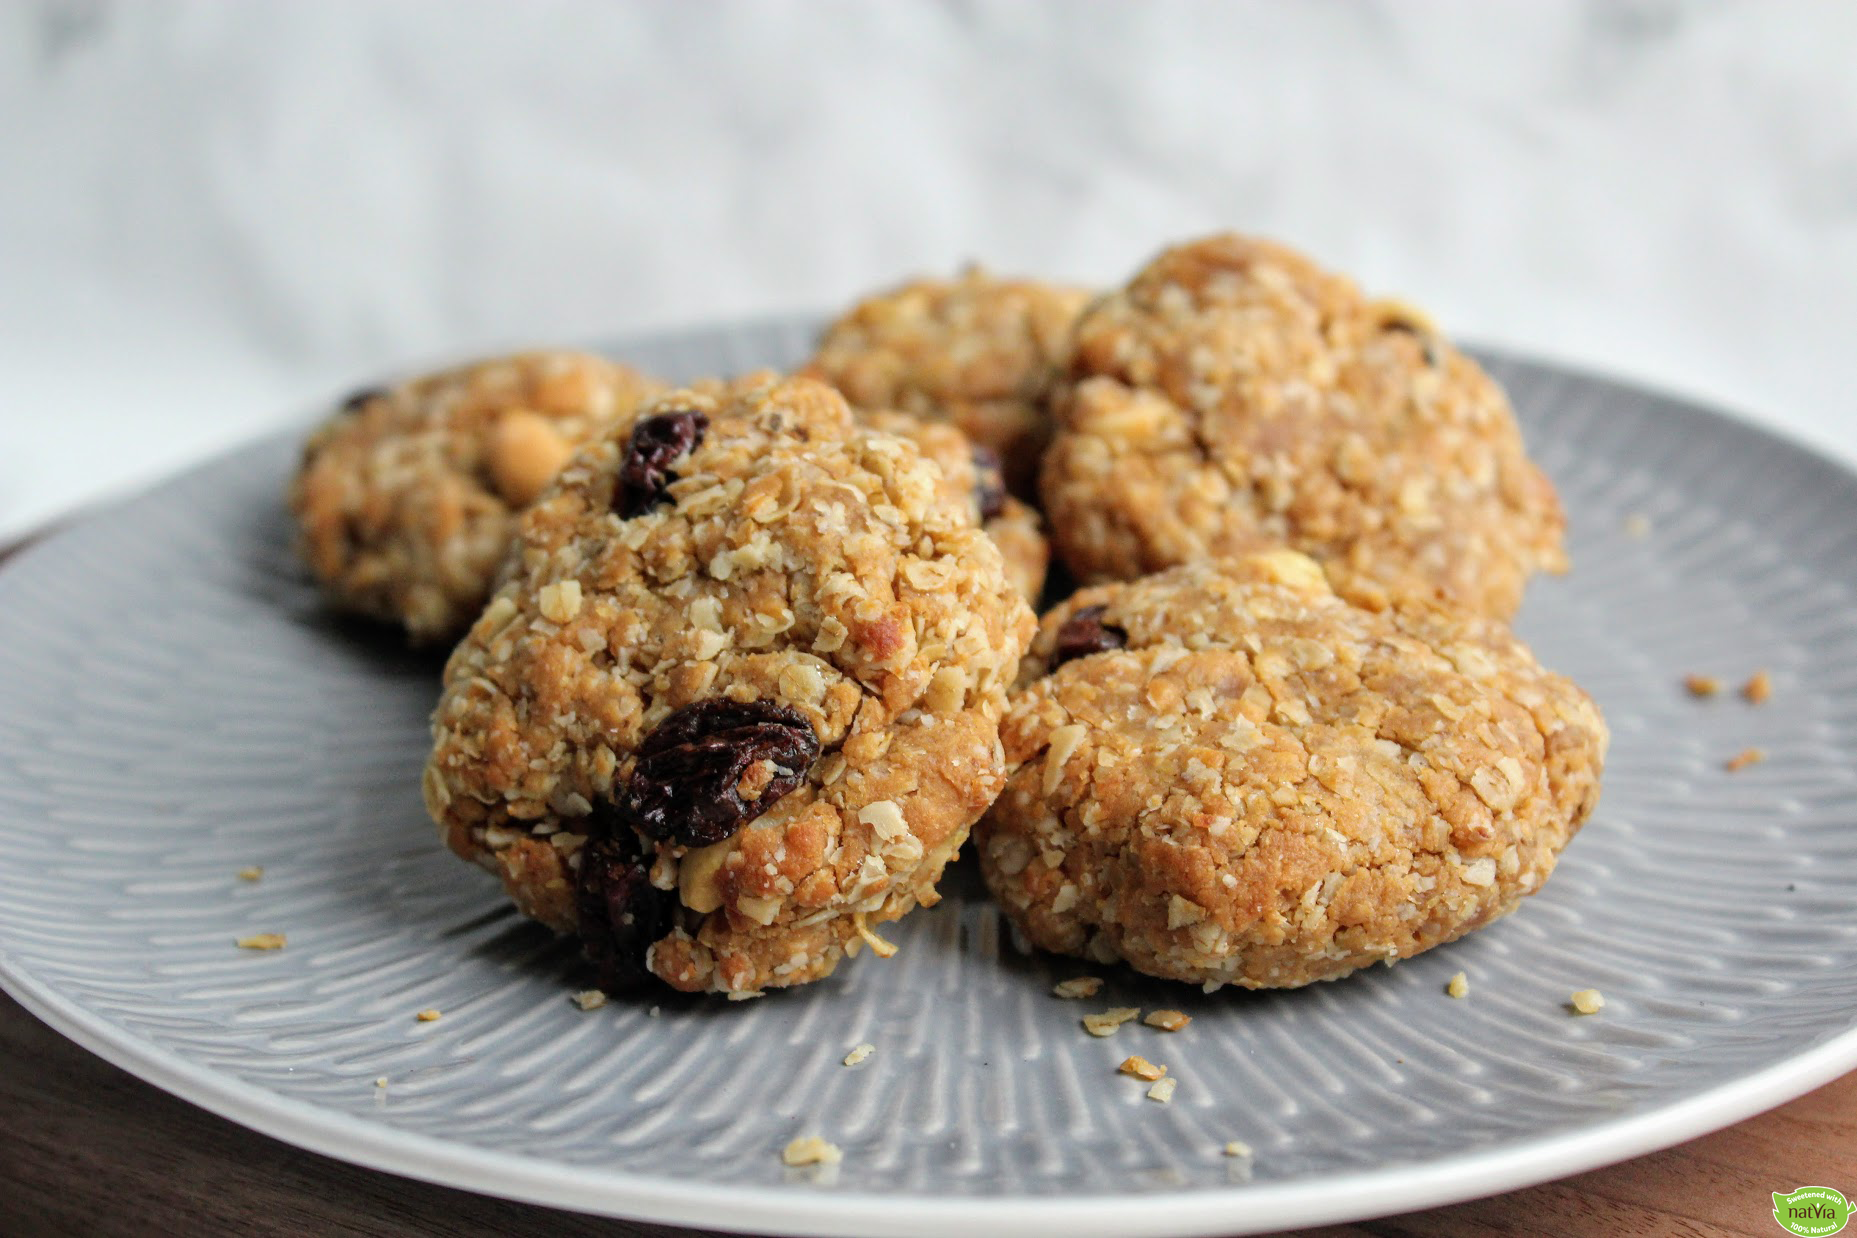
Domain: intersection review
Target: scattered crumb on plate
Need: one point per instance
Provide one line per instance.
(1588, 1001)
(428, 1016)
(1237, 1147)
(1081, 986)
(811, 1150)
(254, 873)
(1141, 1068)
(1459, 986)
(1702, 685)
(859, 1053)
(1168, 1020)
(1758, 689)
(1744, 758)
(1163, 1090)
(590, 999)
(1106, 1023)
(261, 941)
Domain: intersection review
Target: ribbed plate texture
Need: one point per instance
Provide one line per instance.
(175, 706)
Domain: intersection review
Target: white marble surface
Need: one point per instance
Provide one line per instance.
(214, 216)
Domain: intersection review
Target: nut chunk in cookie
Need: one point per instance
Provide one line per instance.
(737, 700)
(407, 496)
(1234, 396)
(1226, 774)
(977, 351)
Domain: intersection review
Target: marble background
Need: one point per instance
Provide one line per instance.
(214, 216)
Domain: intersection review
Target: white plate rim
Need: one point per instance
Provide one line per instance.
(1233, 1210)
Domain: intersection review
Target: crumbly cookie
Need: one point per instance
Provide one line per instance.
(738, 697)
(406, 497)
(1234, 396)
(1224, 773)
(977, 351)
(974, 471)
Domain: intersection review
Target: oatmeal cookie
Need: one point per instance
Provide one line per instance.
(1225, 773)
(1234, 396)
(406, 497)
(977, 351)
(974, 471)
(738, 697)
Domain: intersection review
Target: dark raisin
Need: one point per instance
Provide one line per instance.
(686, 783)
(1085, 633)
(621, 912)
(989, 483)
(364, 395)
(645, 474)
(1428, 343)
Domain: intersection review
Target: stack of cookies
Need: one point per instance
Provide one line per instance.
(739, 665)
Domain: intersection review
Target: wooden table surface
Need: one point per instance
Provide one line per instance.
(88, 1149)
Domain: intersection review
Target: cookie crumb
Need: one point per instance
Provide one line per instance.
(381, 1082)
(1702, 685)
(1141, 1068)
(1081, 986)
(428, 1016)
(261, 941)
(590, 999)
(256, 872)
(1168, 1020)
(1237, 1147)
(560, 602)
(1588, 1001)
(1758, 689)
(859, 1053)
(1459, 986)
(810, 1150)
(1106, 1023)
(1163, 1091)
(878, 946)
(1638, 525)
(652, 1013)
(1744, 758)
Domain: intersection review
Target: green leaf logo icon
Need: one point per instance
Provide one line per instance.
(1812, 1211)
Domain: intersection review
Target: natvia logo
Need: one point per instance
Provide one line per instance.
(1812, 1211)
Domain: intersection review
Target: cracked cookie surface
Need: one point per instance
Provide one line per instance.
(1233, 396)
(977, 351)
(1224, 773)
(804, 621)
(407, 496)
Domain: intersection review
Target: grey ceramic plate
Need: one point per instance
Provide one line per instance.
(174, 706)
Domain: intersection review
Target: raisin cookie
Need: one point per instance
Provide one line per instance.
(977, 351)
(1224, 773)
(737, 699)
(406, 498)
(1234, 396)
(974, 471)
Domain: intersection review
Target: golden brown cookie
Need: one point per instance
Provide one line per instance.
(1234, 396)
(1226, 774)
(738, 697)
(977, 351)
(973, 471)
(406, 497)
